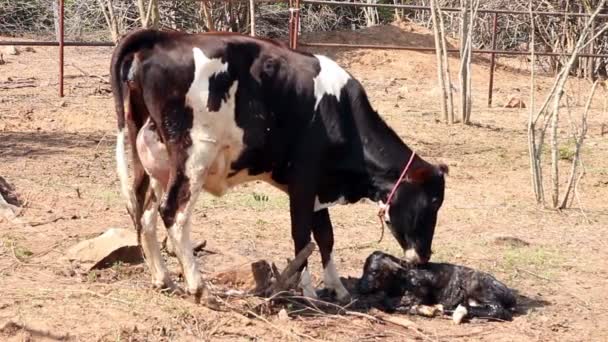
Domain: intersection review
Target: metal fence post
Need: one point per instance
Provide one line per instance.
(61, 48)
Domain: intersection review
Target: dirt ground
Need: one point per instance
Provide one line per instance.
(59, 154)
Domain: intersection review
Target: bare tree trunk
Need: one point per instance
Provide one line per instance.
(110, 18)
(148, 16)
(207, 11)
(555, 95)
(448, 77)
(439, 54)
(252, 16)
(469, 12)
(535, 163)
(554, 148)
(371, 13)
(442, 62)
(55, 6)
(398, 11)
(579, 138)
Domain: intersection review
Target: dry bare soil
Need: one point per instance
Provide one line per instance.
(59, 155)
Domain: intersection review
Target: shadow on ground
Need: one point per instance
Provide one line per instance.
(22, 144)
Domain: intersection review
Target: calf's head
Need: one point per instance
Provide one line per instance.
(412, 214)
(381, 272)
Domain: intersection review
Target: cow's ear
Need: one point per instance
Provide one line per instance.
(443, 168)
(420, 175)
(270, 67)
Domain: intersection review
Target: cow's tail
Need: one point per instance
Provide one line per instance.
(121, 70)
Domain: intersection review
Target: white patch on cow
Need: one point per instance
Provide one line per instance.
(385, 207)
(308, 289)
(180, 237)
(459, 314)
(330, 80)
(123, 170)
(320, 206)
(216, 139)
(332, 281)
(411, 256)
(473, 302)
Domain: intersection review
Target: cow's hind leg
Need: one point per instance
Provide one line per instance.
(185, 185)
(160, 274)
(324, 236)
(175, 211)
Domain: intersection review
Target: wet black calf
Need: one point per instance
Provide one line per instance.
(454, 289)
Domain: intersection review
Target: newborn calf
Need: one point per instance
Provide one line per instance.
(432, 287)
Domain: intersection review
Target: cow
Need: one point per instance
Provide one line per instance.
(449, 288)
(209, 111)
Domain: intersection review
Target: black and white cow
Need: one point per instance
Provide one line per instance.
(210, 111)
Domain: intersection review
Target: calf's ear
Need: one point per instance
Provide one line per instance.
(443, 168)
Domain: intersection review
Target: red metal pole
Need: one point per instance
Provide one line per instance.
(296, 25)
(60, 48)
(493, 59)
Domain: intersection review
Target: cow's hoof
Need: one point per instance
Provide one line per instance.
(197, 294)
(166, 285)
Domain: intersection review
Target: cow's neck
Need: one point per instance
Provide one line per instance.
(385, 154)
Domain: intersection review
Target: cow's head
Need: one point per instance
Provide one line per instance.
(412, 214)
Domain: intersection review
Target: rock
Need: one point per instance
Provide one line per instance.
(515, 102)
(7, 191)
(10, 50)
(282, 315)
(240, 278)
(9, 202)
(114, 245)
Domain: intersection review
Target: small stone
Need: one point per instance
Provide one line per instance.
(282, 315)
(10, 50)
(515, 102)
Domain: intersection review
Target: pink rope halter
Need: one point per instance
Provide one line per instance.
(382, 210)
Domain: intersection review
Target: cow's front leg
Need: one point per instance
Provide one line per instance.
(324, 236)
(176, 211)
(301, 204)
